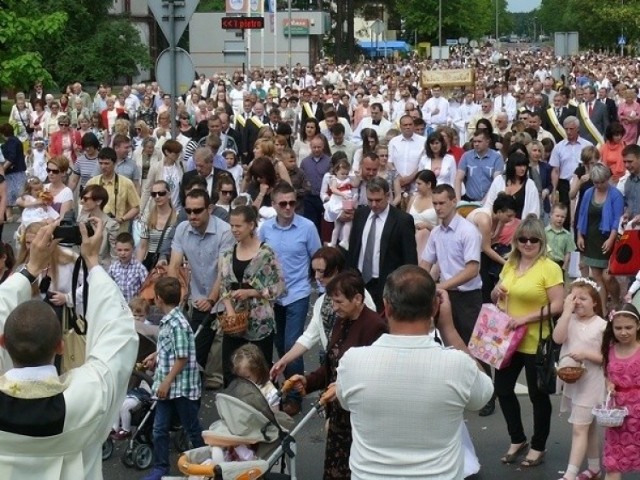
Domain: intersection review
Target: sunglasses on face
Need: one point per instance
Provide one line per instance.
(53, 170)
(285, 204)
(531, 240)
(159, 194)
(86, 198)
(194, 211)
(226, 192)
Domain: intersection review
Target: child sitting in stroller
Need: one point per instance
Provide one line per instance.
(135, 396)
(249, 363)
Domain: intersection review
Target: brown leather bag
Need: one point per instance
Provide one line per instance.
(147, 289)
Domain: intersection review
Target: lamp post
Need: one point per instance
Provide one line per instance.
(440, 27)
(497, 37)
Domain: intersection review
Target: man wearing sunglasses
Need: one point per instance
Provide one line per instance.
(294, 239)
(200, 240)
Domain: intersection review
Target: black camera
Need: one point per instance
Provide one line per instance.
(69, 232)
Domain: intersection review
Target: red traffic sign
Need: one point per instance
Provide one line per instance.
(242, 23)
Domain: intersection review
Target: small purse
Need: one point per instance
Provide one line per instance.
(546, 356)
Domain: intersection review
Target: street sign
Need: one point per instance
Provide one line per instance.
(185, 71)
(451, 42)
(463, 40)
(183, 11)
(622, 41)
(378, 27)
(242, 23)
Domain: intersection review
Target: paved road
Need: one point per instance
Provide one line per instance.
(489, 436)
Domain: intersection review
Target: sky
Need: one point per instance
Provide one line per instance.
(522, 5)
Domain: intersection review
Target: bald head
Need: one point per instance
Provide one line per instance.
(32, 334)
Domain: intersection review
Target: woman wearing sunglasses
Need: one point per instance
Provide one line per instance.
(62, 195)
(528, 281)
(169, 170)
(156, 224)
(66, 141)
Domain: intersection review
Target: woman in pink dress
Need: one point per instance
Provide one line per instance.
(621, 355)
(629, 114)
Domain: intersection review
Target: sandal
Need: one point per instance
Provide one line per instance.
(589, 474)
(533, 462)
(512, 457)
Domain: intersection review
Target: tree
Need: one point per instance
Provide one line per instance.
(460, 18)
(93, 46)
(599, 22)
(22, 29)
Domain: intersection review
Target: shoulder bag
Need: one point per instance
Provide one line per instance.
(546, 356)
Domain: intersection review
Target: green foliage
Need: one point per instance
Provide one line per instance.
(211, 6)
(38, 40)
(460, 18)
(599, 22)
(21, 32)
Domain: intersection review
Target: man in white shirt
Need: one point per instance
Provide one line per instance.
(374, 95)
(376, 121)
(535, 122)
(433, 384)
(486, 111)
(505, 102)
(330, 119)
(405, 151)
(237, 95)
(435, 111)
(465, 113)
(565, 158)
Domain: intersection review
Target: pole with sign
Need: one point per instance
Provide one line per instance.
(173, 17)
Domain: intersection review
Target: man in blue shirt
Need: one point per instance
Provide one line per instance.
(295, 240)
(478, 168)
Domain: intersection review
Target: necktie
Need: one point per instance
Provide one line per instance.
(590, 108)
(367, 261)
(558, 112)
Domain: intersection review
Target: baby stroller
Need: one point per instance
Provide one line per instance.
(139, 450)
(247, 419)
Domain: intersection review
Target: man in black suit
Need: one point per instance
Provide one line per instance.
(252, 128)
(382, 239)
(203, 159)
(558, 111)
(610, 103)
(594, 112)
(37, 93)
(312, 106)
(338, 106)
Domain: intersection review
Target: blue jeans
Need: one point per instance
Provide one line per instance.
(289, 327)
(187, 411)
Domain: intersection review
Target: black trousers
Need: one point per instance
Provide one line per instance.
(505, 383)
(313, 209)
(465, 307)
(563, 197)
(205, 337)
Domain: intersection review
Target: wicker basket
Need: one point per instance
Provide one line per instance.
(234, 324)
(609, 416)
(570, 373)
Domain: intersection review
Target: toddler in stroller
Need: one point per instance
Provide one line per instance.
(252, 434)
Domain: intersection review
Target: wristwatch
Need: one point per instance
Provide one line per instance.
(32, 279)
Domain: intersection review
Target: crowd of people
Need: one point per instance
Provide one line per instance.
(411, 205)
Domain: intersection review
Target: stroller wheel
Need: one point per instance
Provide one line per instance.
(143, 456)
(127, 456)
(181, 440)
(107, 449)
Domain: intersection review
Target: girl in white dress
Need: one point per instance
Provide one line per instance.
(580, 330)
(340, 186)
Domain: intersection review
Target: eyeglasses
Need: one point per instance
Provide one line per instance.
(285, 204)
(226, 192)
(194, 211)
(86, 197)
(53, 170)
(63, 124)
(159, 194)
(531, 240)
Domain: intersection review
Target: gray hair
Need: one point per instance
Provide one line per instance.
(204, 153)
(571, 120)
(378, 184)
(600, 173)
